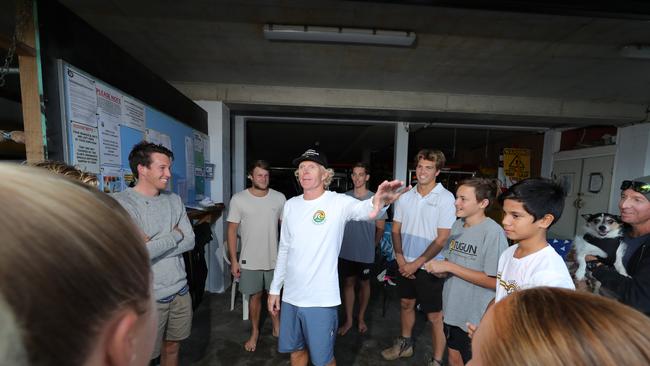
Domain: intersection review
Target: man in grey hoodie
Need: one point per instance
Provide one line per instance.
(167, 232)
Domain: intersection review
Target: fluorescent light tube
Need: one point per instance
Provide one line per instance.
(307, 33)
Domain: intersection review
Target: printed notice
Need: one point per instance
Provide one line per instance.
(83, 101)
(158, 138)
(109, 142)
(109, 104)
(85, 147)
(133, 114)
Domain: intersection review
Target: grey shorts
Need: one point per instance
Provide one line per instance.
(174, 321)
(254, 281)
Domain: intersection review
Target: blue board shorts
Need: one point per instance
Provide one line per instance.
(310, 327)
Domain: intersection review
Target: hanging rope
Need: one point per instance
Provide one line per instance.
(23, 16)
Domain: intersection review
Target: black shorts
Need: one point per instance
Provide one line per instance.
(355, 269)
(425, 288)
(458, 340)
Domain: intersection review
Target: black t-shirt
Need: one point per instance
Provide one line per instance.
(632, 245)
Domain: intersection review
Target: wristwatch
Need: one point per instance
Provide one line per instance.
(591, 265)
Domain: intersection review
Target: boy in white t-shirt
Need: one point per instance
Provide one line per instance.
(530, 207)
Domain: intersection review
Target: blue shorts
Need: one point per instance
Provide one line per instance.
(311, 327)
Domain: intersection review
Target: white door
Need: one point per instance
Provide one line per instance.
(568, 174)
(588, 183)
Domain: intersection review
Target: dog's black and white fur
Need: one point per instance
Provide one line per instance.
(603, 238)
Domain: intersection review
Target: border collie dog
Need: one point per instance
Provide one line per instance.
(603, 238)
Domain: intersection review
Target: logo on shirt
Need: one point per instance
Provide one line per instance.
(460, 247)
(319, 217)
(508, 286)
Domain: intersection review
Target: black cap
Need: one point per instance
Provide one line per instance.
(311, 155)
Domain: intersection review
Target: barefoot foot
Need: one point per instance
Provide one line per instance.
(344, 329)
(363, 328)
(251, 343)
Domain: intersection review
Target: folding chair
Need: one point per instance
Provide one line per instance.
(233, 286)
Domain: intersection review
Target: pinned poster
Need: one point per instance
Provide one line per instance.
(199, 161)
(112, 179)
(516, 164)
(181, 189)
(133, 114)
(189, 162)
(158, 138)
(109, 104)
(129, 179)
(83, 100)
(110, 151)
(85, 149)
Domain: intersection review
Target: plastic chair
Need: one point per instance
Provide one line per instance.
(233, 287)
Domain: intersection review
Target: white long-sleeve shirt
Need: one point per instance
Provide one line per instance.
(310, 242)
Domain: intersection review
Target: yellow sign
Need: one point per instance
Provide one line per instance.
(516, 163)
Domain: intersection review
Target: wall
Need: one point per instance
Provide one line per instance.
(219, 133)
(632, 158)
(65, 36)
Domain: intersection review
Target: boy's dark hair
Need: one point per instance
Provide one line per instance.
(539, 196)
(363, 165)
(141, 155)
(262, 164)
(484, 188)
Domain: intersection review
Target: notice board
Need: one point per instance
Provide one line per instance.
(102, 124)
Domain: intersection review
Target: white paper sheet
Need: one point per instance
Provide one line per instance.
(83, 99)
(109, 142)
(85, 147)
(109, 103)
(133, 114)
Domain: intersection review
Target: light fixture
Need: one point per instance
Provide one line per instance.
(636, 51)
(310, 33)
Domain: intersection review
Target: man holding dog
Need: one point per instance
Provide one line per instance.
(635, 213)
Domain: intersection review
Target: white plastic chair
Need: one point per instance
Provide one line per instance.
(233, 286)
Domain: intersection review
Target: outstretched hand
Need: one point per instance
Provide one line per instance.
(387, 193)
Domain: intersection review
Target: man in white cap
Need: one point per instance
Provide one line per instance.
(635, 213)
(310, 241)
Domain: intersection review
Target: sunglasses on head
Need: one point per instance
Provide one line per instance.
(640, 187)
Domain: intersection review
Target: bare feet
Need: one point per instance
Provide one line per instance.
(251, 343)
(344, 329)
(363, 328)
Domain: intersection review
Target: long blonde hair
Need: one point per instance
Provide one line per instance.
(70, 259)
(328, 172)
(552, 326)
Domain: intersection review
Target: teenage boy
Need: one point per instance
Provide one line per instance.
(421, 227)
(306, 269)
(530, 207)
(358, 253)
(635, 213)
(256, 213)
(472, 253)
(167, 232)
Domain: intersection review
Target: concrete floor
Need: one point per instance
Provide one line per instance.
(218, 335)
